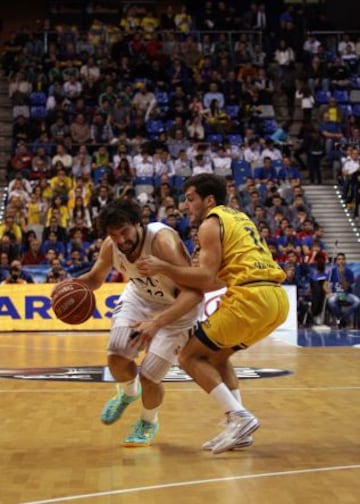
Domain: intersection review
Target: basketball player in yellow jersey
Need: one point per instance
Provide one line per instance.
(231, 255)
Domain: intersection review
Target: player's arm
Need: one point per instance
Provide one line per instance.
(102, 267)
(167, 246)
(204, 276)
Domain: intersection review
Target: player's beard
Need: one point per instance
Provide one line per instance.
(131, 246)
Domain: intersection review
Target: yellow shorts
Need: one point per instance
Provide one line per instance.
(246, 315)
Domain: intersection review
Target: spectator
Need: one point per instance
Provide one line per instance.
(58, 209)
(330, 131)
(80, 210)
(33, 256)
(63, 156)
(14, 276)
(9, 247)
(9, 227)
(54, 225)
(80, 129)
(183, 20)
(307, 101)
(53, 243)
(341, 301)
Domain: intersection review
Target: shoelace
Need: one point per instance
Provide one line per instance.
(143, 428)
(140, 429)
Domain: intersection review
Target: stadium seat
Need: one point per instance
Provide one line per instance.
(235, 139)
(322, 97)
(356, 110)
(178, 182)
(232, 110)
(214, 137)
(144, 185)
(98, 173)
(38, 112)
(341, 96)
(37, 98)
(270, 126)
(154, 128)
(346, 110)
(241, 171)
(162, 97)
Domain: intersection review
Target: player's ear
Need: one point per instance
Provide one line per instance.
(211, 200)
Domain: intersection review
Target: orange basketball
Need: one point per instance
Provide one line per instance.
(72, 301)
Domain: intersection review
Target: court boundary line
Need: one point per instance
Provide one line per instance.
(101, 388)
(193, 483)
(187, 390)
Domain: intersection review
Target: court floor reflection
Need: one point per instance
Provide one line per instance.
(320, 336)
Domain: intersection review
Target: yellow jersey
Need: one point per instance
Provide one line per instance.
(34, 213)
(246, 257)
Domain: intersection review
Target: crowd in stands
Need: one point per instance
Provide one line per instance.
(129, 110)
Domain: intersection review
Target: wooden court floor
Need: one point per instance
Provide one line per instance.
(53, 448)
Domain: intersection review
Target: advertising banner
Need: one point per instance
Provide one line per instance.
(27, 307)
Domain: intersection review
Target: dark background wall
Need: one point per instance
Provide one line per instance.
(20, 12)
(344, 14)
(341, 14)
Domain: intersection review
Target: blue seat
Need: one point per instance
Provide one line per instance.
(270, 126)
(214, 137)
(322, 97)
(98, 174)
(241, 171)
(144, 185)
(162, 97)
(356, 109)
(38, 112)
(154, 127)
(144, 180)
(346, 110)
(37, 98)
(341, 96)
(277, 164)
(178, 182)
(235, 139)
(232, 110)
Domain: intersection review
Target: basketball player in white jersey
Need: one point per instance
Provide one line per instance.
(148, 305)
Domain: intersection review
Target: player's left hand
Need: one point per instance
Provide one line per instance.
(149, 265)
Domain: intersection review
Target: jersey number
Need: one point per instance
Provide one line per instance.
(255, 238)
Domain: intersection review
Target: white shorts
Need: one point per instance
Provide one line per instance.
(168, 341)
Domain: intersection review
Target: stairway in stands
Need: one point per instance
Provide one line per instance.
(5, 136)
(335, 219)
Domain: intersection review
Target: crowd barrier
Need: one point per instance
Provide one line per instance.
(27, 307)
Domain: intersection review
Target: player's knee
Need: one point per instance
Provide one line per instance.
(117, 360)
(147, 383)
(120, 343)
(154, 369)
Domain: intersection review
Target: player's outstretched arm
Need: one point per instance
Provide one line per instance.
(204, 275)
(167, 246)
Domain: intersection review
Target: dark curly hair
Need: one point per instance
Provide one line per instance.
(119, 213)
(207, 184)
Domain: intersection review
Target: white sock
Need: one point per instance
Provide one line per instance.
(131, 387)
(225, 398)
(237, 395)
(150, 415)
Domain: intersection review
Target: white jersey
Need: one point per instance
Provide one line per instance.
(157, 289)
(151, 294)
